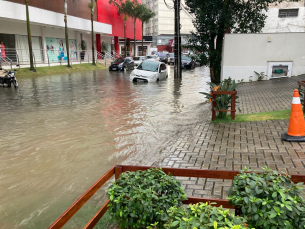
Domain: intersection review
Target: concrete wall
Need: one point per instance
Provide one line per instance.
(275, 24)
(77, 8)
(245, 53)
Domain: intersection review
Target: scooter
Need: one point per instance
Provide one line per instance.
(9, 79)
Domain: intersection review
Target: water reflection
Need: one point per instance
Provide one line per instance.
(59, 134)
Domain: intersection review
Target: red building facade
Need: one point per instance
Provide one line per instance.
(107, 13)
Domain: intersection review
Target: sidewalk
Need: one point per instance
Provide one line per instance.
(232, 146)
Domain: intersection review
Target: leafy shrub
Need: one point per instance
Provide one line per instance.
(260, 76)
(268, 200)
(223, 102)
(138, 199)
(203, 216)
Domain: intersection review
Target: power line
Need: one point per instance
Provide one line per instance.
(168, 7)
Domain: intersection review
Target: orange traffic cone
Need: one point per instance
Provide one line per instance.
(296, 128)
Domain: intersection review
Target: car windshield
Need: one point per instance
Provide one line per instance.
(172, 54)
(151, 66)
(186, 58)
(162, 55)
(120, 60)
(138, 58)
(150, 57)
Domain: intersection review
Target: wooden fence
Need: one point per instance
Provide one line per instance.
(118, 169)
(233, 102)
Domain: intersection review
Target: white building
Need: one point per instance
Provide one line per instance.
(279, 51)
(162, 26)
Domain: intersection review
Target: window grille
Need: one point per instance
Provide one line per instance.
(288, 12)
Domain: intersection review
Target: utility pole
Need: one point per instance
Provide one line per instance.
(177, 67)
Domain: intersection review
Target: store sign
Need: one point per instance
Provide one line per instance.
(56, 49)
(171, 42)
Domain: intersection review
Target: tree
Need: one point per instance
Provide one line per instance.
(136, 12)
(91, 7)
(145, 15)
(29, 36)
(212, 18)
(125, 8)
(66, 33)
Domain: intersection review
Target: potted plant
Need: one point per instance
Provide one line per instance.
(204, 216)
(268, 200)
(83, 46)
(222, 101)
(138, 199)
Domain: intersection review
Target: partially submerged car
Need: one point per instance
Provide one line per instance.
(163, 57)
(122, 63)
(153, 57)
(187, 62)
(149, 71)
(138, 60)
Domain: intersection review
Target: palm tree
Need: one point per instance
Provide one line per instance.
(91, 7)
(145, 15)
(126, 9)
(137, 10)
(66, 34)
(29, 36)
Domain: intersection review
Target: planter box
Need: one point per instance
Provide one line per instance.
(118, 169)
(233, 102)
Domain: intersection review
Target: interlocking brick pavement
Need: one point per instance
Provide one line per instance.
(232, 146)
(271, 95)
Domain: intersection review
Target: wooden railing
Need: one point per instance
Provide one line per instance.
(118, 169)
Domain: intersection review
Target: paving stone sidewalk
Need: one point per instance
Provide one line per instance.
(271, 95)
(231, 146)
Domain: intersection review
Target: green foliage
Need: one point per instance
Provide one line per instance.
(260, 76)
(212, 18)
(145, 14)
(139, 199)
(203, 216)
(223, 102)
(125, 8)
(268, 200)
(104, 47)
(83, 45)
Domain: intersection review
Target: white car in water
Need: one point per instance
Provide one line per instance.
(153, 57)
(138, 60)
(149, 71)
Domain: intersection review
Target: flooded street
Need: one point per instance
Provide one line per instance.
(59, 134)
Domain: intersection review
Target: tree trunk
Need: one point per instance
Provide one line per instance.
(219, 43)
(217, 65)
(29, 36)
(92, 35)
(134, 42)
(142, 41)
(67, 36)
(212, 54)
(125, 48)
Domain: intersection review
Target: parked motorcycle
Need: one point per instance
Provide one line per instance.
(9, 79)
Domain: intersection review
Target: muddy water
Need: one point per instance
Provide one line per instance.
(59, 134)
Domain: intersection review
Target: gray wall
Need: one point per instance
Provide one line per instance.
(245, 53)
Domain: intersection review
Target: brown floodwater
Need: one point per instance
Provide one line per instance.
(60, 133)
